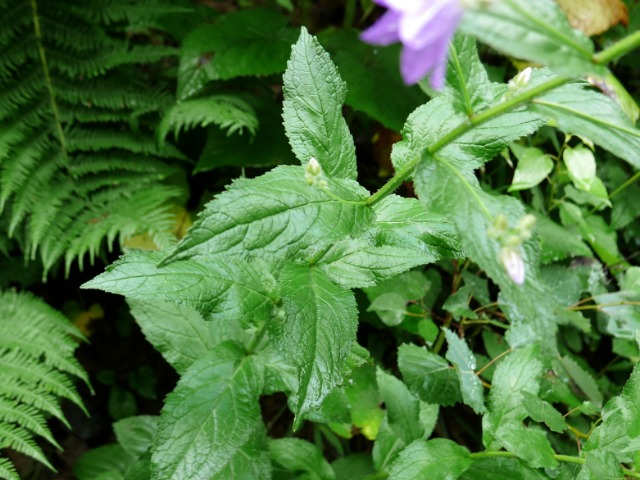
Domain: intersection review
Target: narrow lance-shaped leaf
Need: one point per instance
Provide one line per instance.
(461, 356)
(277, 214)
(313, 97)
(317, 333)
(593, 115)
(211, 422)
(538, 31)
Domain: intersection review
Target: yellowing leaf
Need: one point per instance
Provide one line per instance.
(594, 16)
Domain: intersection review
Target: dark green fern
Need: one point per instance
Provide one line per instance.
(79, 163)
(36, 370)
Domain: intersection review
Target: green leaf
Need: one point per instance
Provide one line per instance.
(298, 456)
(437, 459)
(428, 375)
(228, 112)
(246, 42)
(226, 289)
(537, 31)
(502, 469)
(533, 167)
(558, 243)
(179, 332)
(366, 260)
(292, 216)
(444, 188)
(460, 355)
(517, 373)
(214, 408)
(582, 379)
(581, 165)
(355, 466)
(313, 98)
(103, 460)
(529, 444)
(403, 409)
(591, 114)
(629, 403)
(468, 84)
(407, 222)
(373, 77)
(317, 333)
(364, 400)
(601, 466)
(542, 411)
(611, 434)
(136, 434)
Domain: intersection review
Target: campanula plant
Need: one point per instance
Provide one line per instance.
(465, 307)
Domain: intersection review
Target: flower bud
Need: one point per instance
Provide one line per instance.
(511, 260)
(522, 78)
(312, 171)
(525, 226)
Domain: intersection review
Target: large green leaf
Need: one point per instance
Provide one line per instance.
(247, 42)
(538, 31)
(317, 333)
(227, 289)
(447, 190)
(428, 375)
(517, 373)
(528, 444)
(211, 422)
(313, 98)
(277, 214)
(592, 114)
(437, 459)
(179, 332)
(460, 355)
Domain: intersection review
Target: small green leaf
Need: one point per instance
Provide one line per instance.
(538, 31)
(467, 81)
(533, 167)
(528, 444)
(106, 459)
(582, 379)
(593, 115)
(601, 466)
(437, 459)
(355, 466)
(292, 216)
(313, 97)
(542, 411)
(517, 373)
(460, 355)
(298, 456)
(558, 243)
(317, 333)
(136, 434)
(581, 165)
(428, 375)
(214, 408)
(502, 469)
(364, 400)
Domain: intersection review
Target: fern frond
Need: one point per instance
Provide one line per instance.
(36, 367)
(228, 112)
(7, 470)
(70, 161)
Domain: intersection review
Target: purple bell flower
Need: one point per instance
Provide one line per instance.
(424, 27)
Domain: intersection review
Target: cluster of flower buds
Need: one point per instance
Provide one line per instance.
(313, 173)
(510, 240)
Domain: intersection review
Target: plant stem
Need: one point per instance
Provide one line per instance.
(405, 172)
(618, 49)
(559, 458)
(349, 13)
(49, 83)
(255, 341)
(624, 185)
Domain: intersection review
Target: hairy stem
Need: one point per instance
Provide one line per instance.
(405, 172)
(621, 47)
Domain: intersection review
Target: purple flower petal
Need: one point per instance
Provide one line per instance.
(384, 31)
(425, 28)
